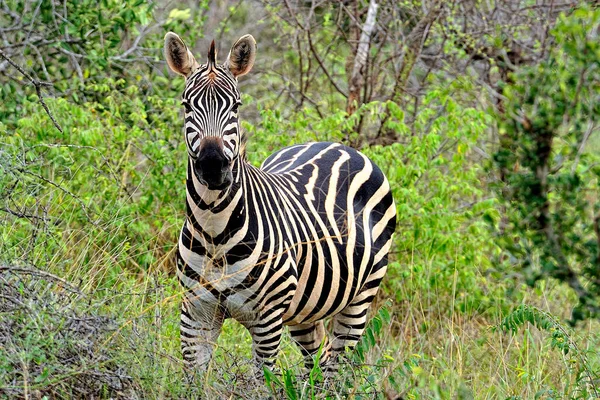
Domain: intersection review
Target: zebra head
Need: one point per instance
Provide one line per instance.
(211, 100)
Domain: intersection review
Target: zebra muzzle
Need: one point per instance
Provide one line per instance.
(212, 167)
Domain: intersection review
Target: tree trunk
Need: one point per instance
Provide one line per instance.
(357, 79)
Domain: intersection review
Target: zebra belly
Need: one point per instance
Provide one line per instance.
(206, 304)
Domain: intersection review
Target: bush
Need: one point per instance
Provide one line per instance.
(52, 341)
(549, 182)
(105, 185)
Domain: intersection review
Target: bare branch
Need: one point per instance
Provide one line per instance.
(414, 43)
(357, 78)
(44, 274)
(314, 52)
(19, 214)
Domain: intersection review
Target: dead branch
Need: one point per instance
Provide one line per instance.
(43, 274)
(19, 214)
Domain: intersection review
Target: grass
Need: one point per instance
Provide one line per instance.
(427, 350)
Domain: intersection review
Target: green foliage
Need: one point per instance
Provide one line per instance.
(560, 338)
(549, 183)
(439, 193)
(541, 320)
(120, 206)
(83, 44)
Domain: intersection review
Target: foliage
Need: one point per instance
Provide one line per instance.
(441, 236)
(585, 384)
(77, 195)
(549, 183)
(541, 320)
(100, 205)
(76, 45)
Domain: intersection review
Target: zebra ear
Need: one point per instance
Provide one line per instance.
(179, 57)
(242, 55)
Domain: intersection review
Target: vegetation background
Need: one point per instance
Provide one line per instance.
(483, 114)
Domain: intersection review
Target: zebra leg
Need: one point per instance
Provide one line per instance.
(266, 337)
(199, 331)
(349, 324)
(310, 337)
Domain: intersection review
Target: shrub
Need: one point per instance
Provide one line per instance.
(549, 182)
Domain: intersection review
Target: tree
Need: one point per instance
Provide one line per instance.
(549, 173)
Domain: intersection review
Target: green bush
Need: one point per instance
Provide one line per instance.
(105, 188)
(77, 45)
(548, 181)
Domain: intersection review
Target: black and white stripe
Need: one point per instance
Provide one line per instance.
(302, 238)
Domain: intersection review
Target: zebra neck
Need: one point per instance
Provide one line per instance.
(212, 212)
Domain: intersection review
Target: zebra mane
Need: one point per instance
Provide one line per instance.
(212, 54)
(243, 142)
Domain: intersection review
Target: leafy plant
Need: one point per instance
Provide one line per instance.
(548, 181)
(560, 338)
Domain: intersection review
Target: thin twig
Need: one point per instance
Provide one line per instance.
(322, 65)
(38, 272)
(38, 87)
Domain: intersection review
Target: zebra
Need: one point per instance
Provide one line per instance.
(302, 238)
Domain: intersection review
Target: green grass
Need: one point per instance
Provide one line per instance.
(427, 350)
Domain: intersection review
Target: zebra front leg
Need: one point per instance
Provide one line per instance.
(266, 337)
(199, 330)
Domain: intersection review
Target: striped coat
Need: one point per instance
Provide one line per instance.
(302, 238)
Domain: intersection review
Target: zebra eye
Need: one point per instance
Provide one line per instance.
(188, 108)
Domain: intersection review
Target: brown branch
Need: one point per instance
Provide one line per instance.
(314, 52)
(38, 87)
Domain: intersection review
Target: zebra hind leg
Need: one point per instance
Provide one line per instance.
(350, 323)
(198, 338)
(310, 338)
